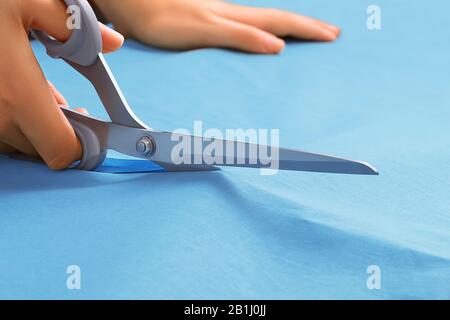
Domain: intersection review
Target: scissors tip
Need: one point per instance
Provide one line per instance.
(369, 169)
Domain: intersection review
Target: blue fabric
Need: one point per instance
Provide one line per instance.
(379, 96)
(120, 165)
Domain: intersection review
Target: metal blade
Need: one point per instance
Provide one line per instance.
(176, 152)
(101, 77)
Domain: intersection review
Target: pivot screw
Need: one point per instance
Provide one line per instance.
(146, 146)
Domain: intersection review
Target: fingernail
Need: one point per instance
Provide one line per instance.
(274, 45)
(329, 36)
(82, 110)
(115, 41)
(118, 35)
(334, 29)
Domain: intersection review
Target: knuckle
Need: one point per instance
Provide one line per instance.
(59, 162)
(250, 37)
(62, 156)
(209, 17)
(272, 19)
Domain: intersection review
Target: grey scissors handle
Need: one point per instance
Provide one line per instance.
(93, 152)
(84, 44)
(81, 50)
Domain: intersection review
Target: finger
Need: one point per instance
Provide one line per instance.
(235, 35)
(10, 135)
(37, 15)
(59, 98)
(6, 148)
(336, 30)
(61, 101)
(281, 23)
(112, 40)
(57, 25)
(15, 139)
(82, 110)
(37, 114)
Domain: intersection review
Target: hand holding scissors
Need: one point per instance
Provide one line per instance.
(31, 123)
(127, 134)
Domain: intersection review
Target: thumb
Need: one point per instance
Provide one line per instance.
(236, 35)
(57, 25)
(37, 16)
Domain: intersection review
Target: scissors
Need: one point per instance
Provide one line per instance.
(127, 134)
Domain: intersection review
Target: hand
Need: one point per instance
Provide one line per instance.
(31, 121)
(189, 24)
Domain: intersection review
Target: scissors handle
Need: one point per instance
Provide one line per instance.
(82, 48)
(93, 153)
(83, 51)
(85, 42)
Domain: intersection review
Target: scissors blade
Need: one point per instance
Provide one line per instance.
(105, 84)
(177, 152)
